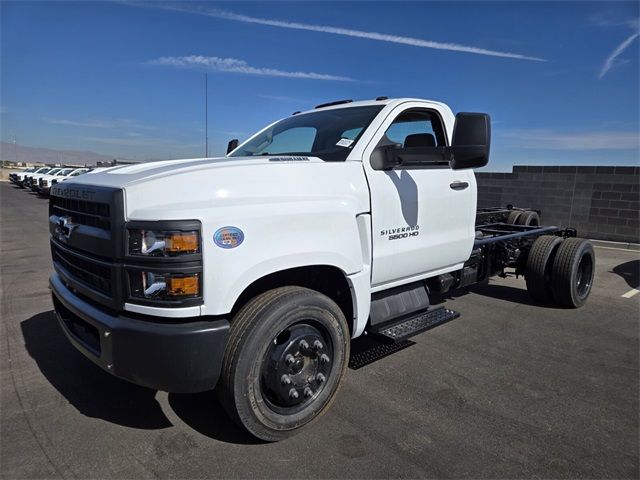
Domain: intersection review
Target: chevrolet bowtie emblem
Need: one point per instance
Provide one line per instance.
(65, 228)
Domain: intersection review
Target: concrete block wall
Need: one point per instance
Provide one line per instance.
(601, 202)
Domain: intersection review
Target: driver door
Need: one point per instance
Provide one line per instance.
(423, 221)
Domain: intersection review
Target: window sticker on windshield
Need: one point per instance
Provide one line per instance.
(344, 142)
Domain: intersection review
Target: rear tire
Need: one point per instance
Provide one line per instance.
(573, 272)
(287, 352)
(529, 219)
(539, 267)
(513, 216)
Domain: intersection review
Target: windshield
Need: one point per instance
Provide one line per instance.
(327, 134)
(65, 172)
(53, 171)
(43, 170)
(79, 172)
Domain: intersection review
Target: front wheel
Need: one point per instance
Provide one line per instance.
(287, 352)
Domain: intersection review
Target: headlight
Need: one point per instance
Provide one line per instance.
(164, 286)
(163, 243)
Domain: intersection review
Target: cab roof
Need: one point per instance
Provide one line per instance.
(365, 103)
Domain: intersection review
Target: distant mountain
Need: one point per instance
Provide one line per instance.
(48, 155)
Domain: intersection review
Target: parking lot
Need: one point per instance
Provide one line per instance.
(509, 389)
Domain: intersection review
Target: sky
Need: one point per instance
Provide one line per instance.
(560, 80)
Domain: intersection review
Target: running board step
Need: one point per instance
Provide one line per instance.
(399, 330)
(366, 350)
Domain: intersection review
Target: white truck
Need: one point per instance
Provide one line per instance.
(47, 181)
(17, 177)
(253, 272)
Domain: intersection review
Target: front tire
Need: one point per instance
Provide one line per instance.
(287, 352)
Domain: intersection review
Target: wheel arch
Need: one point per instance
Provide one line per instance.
(326, 279)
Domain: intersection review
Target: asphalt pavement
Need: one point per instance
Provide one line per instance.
(508, 390)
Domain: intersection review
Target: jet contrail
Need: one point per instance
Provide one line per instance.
(619, 49)
(382, 37)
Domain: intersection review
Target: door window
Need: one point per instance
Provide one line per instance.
(417, 128)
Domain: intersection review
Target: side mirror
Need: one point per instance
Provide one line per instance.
(383, 158)
(232, 145)
(471, 141)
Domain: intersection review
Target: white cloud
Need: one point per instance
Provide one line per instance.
(609, 62)
(95, 123)
(74, 123)
(233, 65)
(348, 32)
(552, 140)
(282, 98)
(604, 20)
(130, 142)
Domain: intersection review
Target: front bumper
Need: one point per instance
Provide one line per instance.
(180, 357)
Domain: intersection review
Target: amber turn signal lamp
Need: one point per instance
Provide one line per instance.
(180, 286)
(182, 242)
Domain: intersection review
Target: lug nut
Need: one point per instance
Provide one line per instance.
(289, 359)
(320, 378)
(324, 358)
(304, 345)
(285, 380)
(317, 345)
(293, 394)
(308, 392)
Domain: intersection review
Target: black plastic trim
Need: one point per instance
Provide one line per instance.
(183, 357)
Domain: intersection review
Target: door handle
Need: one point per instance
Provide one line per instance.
(458, 185)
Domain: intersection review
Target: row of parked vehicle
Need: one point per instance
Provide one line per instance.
(40, 179)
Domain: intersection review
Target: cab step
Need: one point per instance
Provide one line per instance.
(369, 349)
(399, 330)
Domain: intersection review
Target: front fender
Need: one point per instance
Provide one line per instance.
(309, 233)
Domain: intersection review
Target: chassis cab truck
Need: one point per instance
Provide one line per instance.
(252, 273)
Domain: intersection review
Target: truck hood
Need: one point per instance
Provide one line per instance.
(128, 175)
(200, 188)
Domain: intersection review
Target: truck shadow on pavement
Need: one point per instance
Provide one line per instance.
(630, 272)
(94, 392)
(203, 413)
(97, 394)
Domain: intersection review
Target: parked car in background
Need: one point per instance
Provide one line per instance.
(17, 177)
(47, 181)
(26, 182)
(35, 182)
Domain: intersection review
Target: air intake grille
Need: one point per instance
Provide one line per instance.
(93, 274)
(93, 214)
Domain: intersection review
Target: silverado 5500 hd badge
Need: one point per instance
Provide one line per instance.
(401, 232)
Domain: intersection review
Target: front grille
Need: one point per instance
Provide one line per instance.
(93, 214)
(95, 275)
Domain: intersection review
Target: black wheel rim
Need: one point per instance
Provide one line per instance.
(296, 367)
(584, 275)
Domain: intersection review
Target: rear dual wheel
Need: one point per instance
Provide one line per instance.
(574, 269)
(560, 270)
(527, 218)
(287, 352)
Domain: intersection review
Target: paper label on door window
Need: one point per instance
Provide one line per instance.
(344, 142)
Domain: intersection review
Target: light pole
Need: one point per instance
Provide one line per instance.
(206, 117)
(15, 149)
